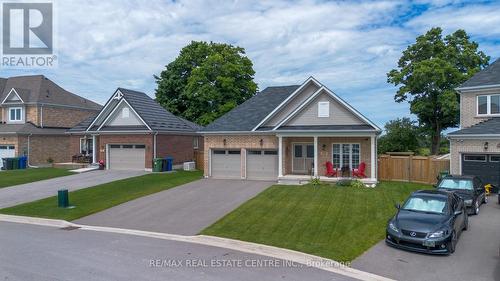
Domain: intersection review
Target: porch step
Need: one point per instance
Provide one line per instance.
(86, 169)
(292, 182)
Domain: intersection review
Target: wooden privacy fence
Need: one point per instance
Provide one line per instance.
(411, 168)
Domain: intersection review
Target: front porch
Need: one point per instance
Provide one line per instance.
(302, 157)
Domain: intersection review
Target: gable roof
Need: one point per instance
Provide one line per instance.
(489, 76)
(155, 117)
(488, 127)
(252, 114)
(248, 114)
(38, 89)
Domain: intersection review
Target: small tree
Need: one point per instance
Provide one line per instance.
(428, 73)
(205, 81)
(401, 135)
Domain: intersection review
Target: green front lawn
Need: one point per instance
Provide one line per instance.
(15, 177)
(329, 221)
(97, 198)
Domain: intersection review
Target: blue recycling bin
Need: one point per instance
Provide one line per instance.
(22, 162)
(170, 163)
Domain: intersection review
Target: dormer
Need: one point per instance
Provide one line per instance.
(14, 111)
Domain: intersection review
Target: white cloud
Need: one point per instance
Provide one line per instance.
(348, 45)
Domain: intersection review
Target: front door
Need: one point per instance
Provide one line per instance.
(303, 158)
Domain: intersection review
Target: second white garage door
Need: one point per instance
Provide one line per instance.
(127, 156)
(262, 164)
(226, 164)
(6, 151)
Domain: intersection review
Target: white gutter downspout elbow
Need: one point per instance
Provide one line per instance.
(154, 145)
(29, 165)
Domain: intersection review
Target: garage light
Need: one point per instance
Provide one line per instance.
(224, 142)
(486, 145)
(261, 142)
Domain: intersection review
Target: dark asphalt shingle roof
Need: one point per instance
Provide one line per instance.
(29, 128)
(248, 114)
(490, 126)
(38, 89)
(157, 117)
(488, 76)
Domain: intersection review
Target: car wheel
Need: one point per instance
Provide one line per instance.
(476, 208)
(450, 246)
(485, 199)
(466, 222)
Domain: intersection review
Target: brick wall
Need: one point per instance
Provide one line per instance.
(468, 107)
(178, 147)
(44, 147)
(457, 147)
(64, 117)
(127, 139)
(237, 141)
(32, 114)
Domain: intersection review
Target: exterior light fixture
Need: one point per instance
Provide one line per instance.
(261, 142)
(486, 145)
(224, 142)
(324, 147)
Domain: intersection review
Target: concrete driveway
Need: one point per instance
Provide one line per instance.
(477, 256)
(186, 209)
(13, 195)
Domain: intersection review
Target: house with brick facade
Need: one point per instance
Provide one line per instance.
(35, 113)
(131, 130)
(475, 148)
(288, 134)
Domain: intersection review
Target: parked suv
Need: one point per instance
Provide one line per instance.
(469, 188)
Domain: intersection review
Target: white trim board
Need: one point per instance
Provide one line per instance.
(299, 108)
(10, 92)
(104, 108)
(118, 106)
(299, 89)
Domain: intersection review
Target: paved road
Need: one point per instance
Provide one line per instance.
(185, 209)
(477, 255)
(13, 195)
(29, 252)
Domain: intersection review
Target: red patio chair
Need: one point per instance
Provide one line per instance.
(330, 172)
(360, 171)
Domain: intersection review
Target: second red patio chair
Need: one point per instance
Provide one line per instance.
(360, 171)
(330, 172)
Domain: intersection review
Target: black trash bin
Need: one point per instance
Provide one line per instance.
(4, 163)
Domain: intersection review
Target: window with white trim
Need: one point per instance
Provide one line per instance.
(196, 142)
(346, 155)
(15, 114)
(323, 109)
(488, 104)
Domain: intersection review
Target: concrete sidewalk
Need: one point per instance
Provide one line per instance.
(14, 195)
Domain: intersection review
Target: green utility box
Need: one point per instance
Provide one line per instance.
(62, 198)
(157, 164)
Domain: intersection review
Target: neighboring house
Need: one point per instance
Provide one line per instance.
(131, 130)
(34, 116)
(288, 134)
(475, 148)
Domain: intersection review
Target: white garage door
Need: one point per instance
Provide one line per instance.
(6, 151)
(127, 156)
(262, 165)
(226, 164)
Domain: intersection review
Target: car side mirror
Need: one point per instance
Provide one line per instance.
(397, 205)
(435, 185)
(458, 212)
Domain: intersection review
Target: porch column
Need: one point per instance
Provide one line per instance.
(373, 159)
(280, 156)
(94, 148)
(315, 156)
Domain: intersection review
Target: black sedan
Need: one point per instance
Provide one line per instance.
(469, 188)
(430, 221)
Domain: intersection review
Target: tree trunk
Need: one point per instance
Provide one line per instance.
(436, 140)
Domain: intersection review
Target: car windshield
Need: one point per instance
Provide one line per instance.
(464, 184)
(426, 204)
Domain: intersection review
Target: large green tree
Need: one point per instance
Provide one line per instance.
(205, 81)
(428, 73)
(401, 135)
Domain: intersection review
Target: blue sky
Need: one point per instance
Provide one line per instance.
(347, 45)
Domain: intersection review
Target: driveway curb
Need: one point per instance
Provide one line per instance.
(242, 246)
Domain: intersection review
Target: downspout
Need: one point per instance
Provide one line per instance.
(154, 145)
(29, 165)
(41, 115)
